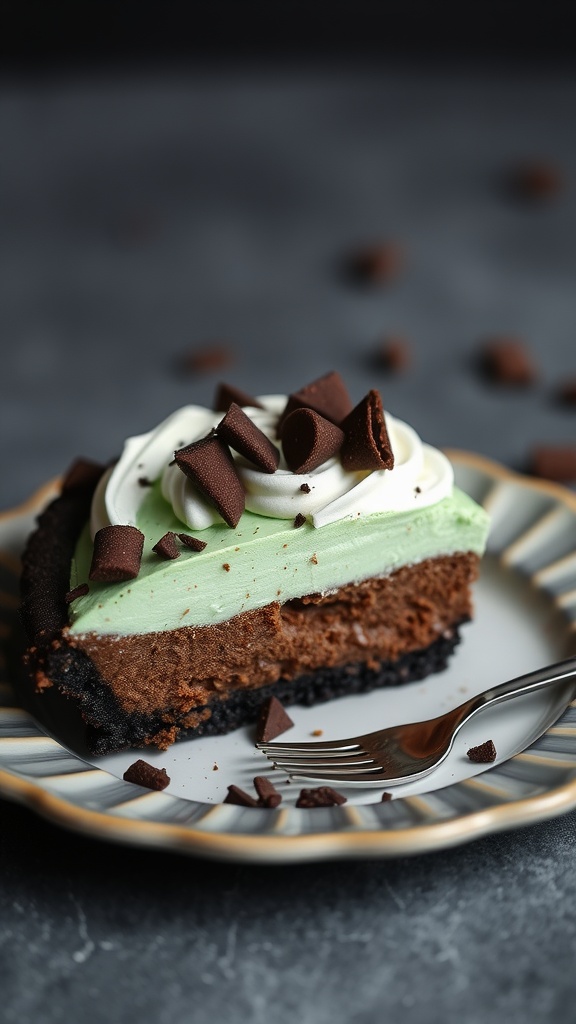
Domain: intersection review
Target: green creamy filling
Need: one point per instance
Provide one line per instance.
(261, 561)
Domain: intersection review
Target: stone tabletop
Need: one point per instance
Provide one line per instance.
(146, 217)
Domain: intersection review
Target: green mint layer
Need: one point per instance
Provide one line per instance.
(261, 561)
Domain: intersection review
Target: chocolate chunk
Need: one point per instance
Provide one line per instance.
(554, 462)
(386, 797)
(268, 793)
(506, 360)
(143, 774)
(299, 520)
(483, 754)
(366, 444)
(238, 797)
(308, 440)
(238, 431)
(375, 264)
(305, 488)
(78, 591)
(117, 554)
(392, 354)
(272, 721)
(327, 395)
(226, 394)
(167, 547)
(210, 466)
(206, 359)
(83, 474)
(566, 393)
(323, 796)
(534, 181)
(192, 542)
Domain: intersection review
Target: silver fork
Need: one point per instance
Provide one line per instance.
(402, 752)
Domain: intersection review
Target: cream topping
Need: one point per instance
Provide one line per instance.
(422, 476)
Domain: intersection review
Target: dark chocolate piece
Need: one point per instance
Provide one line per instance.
(386, 797)
(143, 774)
(506, 360)
(554, 462)
(328, 395)
(206, 359)
(238, 797)
(323, 796)
(366, 444)
(192, 542)
(308, 440)
(144, 481)
(82, 474)
(375, 264)
(299, 520)
(226, 394)
(167, 547)
(534, 181)
(392, 354)
(272, 721)
(268, 793)
(305, 488)
(484, 753)
(78, 591)
(210, 466)
(566, 393)
(117, 554)
(238, 431)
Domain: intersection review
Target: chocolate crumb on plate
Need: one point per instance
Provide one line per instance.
(267, 792)
(206, 359)
(299, 520)
(506, 360)
(227, 393)
(192, 542)
(323, 796)
(375, 264)
(484, 753)
(78, 591)
(166, 547)
(534, 181)
(117, 554)
(554, 462)
(239, 797)
(272, 722)
(143, 774)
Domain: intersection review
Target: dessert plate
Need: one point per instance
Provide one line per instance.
(525, 618)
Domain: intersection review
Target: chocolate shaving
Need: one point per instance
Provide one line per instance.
(308, 440)
(238, 431)
(268, 793)
(506, 360)
(226, 394)
(78, 591)
(554, 462)
(210, 466)
(238, 797)
(192, 542)
(167, 547)
(272, 721)
(327, 395)
(83, 474)
(299, 520)
(143, 774)
(482, 754)
(323, 796)
(366, 444)
(117, 554)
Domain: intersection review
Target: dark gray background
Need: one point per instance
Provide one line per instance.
(144, 215)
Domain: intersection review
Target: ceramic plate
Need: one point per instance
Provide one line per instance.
(525, 618)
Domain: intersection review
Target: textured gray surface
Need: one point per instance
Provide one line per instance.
(142, 218)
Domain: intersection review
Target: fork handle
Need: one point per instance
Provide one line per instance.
(562, 671)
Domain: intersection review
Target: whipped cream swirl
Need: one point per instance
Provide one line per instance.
(422, 475)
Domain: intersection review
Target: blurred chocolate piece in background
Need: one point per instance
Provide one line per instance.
(507, 360)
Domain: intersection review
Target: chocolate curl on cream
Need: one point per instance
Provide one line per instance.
(366, 444)
(308, 440)
(117, 554)
(227, 393)
(167, 547)
(327, 395)
(210, 466)
(238, 430)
